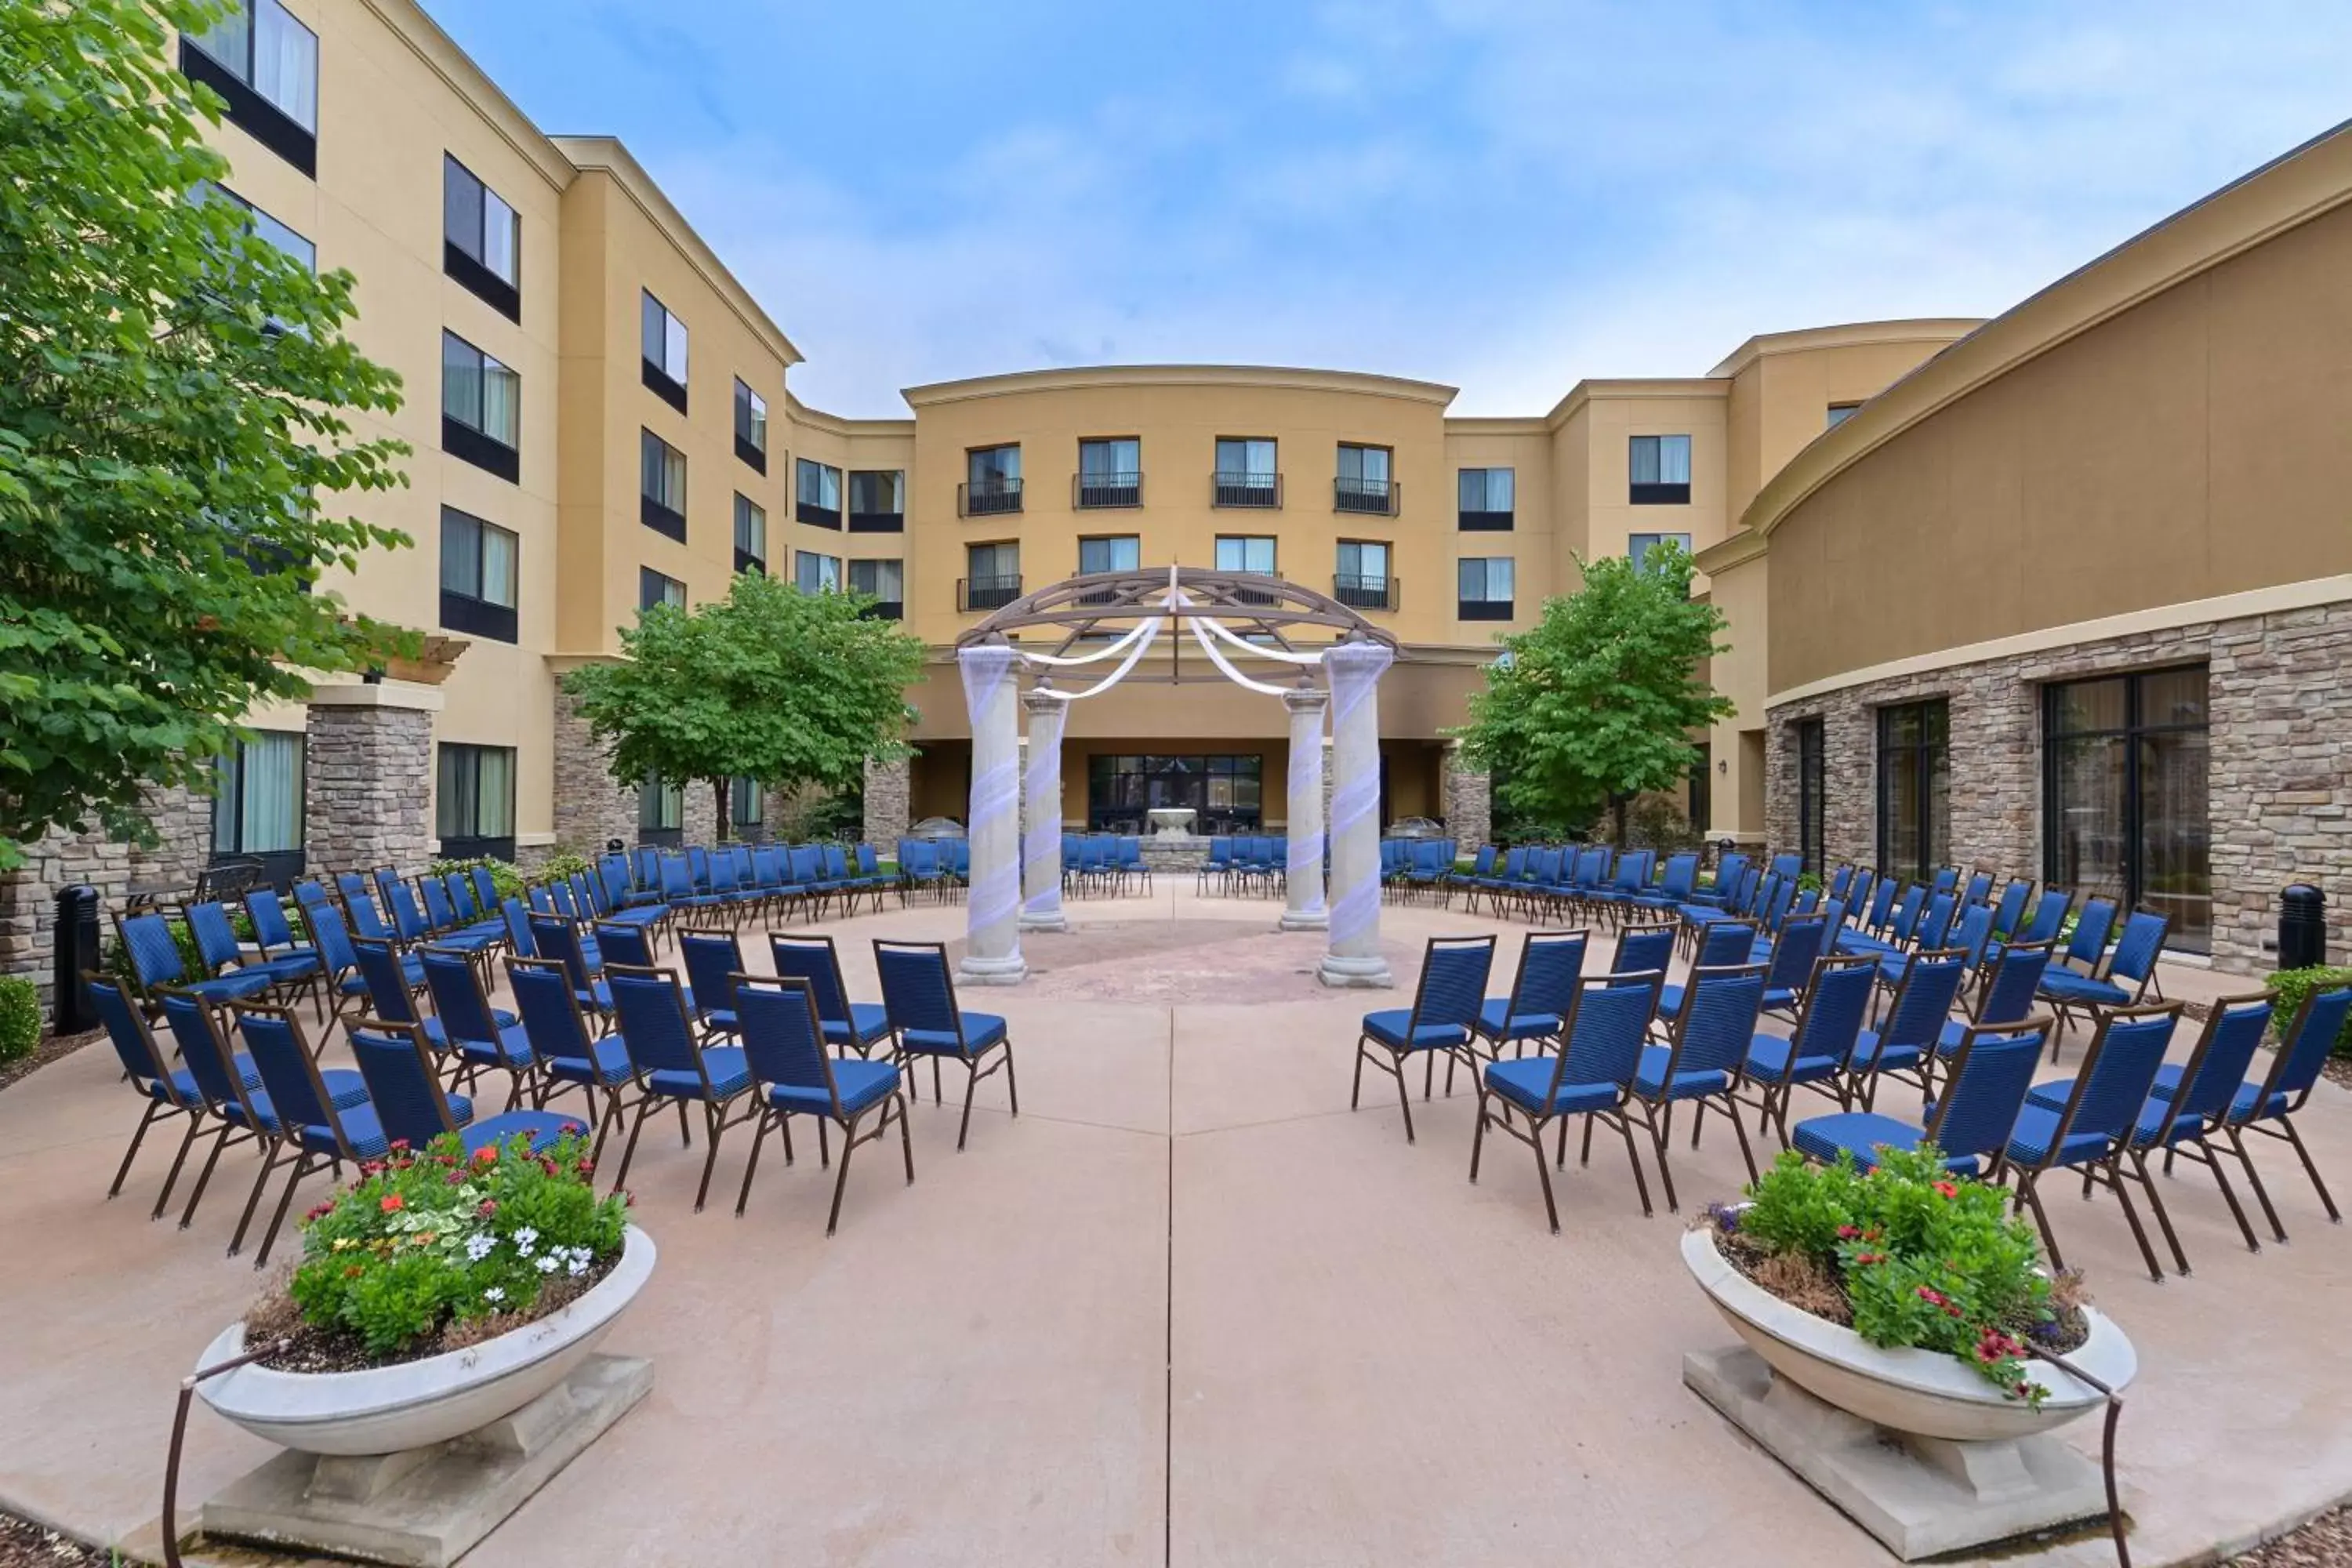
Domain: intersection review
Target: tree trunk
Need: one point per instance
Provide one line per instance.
(1617, 816)
(719, 788)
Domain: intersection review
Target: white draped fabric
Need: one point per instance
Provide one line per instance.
(994, 831)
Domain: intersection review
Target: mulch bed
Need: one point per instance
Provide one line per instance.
(24, 1544)
(51, 1049)
(2324, 1543)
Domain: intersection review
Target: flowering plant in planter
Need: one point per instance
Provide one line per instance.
(1906, 1256)
(429, 1252)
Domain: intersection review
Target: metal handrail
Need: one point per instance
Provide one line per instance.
(1376, 497)
(986, 592)
(1235, 488)
(990, 498)
(1360, 592)
(1091, 492)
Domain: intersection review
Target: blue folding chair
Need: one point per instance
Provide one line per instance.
(2092, 1134)
(1447, 1002)
(2269, 1107)
(1701, 1063)
(167, 1092)
(155, 959)
(2126, 980)
(713, 959)
(569, 1055)
(1725, 944)
(1820, 1055)
(785, 1044)
(1589, 1077)
(671, 1065)
(482, 1037)
(413, 1109)
(1970, 1124)
(846, 1026)
(918, 995)
(307, 1131)
(1543, 989)
(1914, 1026)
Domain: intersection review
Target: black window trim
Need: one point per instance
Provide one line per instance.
(470, 613)
(249, 112)
(474, 275)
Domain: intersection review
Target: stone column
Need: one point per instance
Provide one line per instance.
(1304, 908)
(1468, 802)
(368, 777)
(1354, 956)
(889, 786)
(993, 914)
(1041, 821)
(590, 806)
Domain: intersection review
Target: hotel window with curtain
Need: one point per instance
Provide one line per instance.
(1915, 786)
(477, 577)
(474, 805)
(661, 345)
(750, 427)
(751, 535)
(258, 802)
(659, 588)
(661, 812)
(1661, 470)
(878, 501)
(661, 486)
(481, 240)
(1486, 589)
(817, 494)
(884, 583)
(481, 409)
(265, 64)
(1486, 499)
(745, 808)
(815, 573)
(2126, 787)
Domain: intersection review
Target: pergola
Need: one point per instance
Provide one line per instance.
(1238, 622)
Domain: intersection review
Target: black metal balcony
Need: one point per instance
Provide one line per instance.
(990, 498)
(1373, 498)
(1240, 490)
(986, 592)
(1365, 592)
(1090, 492)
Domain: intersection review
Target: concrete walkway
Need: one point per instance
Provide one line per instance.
(1187, 1308)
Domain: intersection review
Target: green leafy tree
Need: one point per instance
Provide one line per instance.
(173, 392)
(1594, 704)
(769, 683)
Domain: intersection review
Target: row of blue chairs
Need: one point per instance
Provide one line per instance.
(1587, 882)
(1418, 868)
(1249, 865)
(1104, 863)
(937, 869)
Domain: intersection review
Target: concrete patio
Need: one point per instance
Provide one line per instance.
(1187, 1308)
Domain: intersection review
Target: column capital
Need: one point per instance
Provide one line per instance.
(1307, 700)
(1365, 658)
(1043, 698)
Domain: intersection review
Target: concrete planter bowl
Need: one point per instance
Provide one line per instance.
(417, 1404)
(1919, 1392)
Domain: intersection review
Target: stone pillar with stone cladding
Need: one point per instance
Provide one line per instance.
(1304, 908)
(591, 806)
(992, 908)
(368, 778)
(889, 788)
(181, 818)
(1353, 957)
(1041, 812)
(1466, 799)
(699, 813)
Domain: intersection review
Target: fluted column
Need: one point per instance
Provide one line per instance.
(1303, 879)
(1041, 848)
(1353, 957)
(993, 914)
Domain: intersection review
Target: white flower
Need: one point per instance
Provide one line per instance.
(479, 1247)
(524, 1238)
(579, 1266)
(494, 1294)
(547, 1263)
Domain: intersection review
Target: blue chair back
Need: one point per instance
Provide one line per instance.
(216, 937)
(1592, 866)
(461, 897)
(808, 865)
(457, 999)
(1922, 1001)
(624, 942)
(486, 889)
(869, 863)
(698, 867)
(1947, 878)
(271, 929)
(406, 918)
(1717, 1022)
(1634, 870)
(712, 961)
(917, 858)
(1841, 882)
(1978, 889)
(2011, 907)
(1641, 949)
(202, 1051)
(554, 937)
(918, 992)
(1908, 910)
(154, 955)
(2316, 1032)
(401, 1085)
(1936, 926)
(960, 857)
(333, 942)
(296, 1097)
(518, 918)
(645, 868)
(1975, 930)
(816, 962)
(783, 1040)
(1837, 1004)
(1793, 951)
(1681, 878)
(2117, 1077)
(351, 885)
(2092, 924)
(1882, 906)
(2049, 915)
(1729, 870)
(440, 913)
(2016, 979)
(1787, 867)
(134, 1046)
(386, 979)
(1514, 864)
(1724, 943)
(1991, 1074)
(541, 901)
(676, 879)
(550, 1012)
(651, 1012)
(722, 873)
(1864, 888)
(2224, 1055)
(1483, 863)
(613, 871)
(1605, 1032)
(1551, 962)
(1777, 907)
(1453, 986)
(1220, 848)
(2139, 946)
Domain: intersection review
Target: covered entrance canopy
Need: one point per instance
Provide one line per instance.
(1263, 633)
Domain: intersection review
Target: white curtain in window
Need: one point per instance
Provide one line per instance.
(230, 39)
(271, 819)
(1498, 489)
(501, 403)
(494, 799)
(1673, 459)
(286, 64)
(499, 567)
(501, 239)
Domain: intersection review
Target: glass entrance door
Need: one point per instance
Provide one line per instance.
(2124, 795)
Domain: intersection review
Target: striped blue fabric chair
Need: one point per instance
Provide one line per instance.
(1788, 867)
(1701, 1062)
(2047, 923)
(1642, 950)
(1674, 887)
(2091, 1132)
(344, 983)
(670, 1064)
(1590, 1077)
(2010, 909)
(919, 997)
(1790, 968)
(1892, 917)
(1970, 1124)
(2006, 995)
(616, 944)
(168, 1092)
(306, 1131)
(553, 936)
(482, 1037)
(784, 1044)
(846, 1026)
(2125, 981)
(570, 1055)
(229, 1084)
(391, 995)
(712, 958)
(1216, 867)
(1820, 1055)
(408, 921)
(1978, 891)
(1914, 1025)
(413, 1109)
(453, 927)
(1543, 988)
(1728, 872)
(2268, 1107)
(1726, 943)
(224, 956)
(155, 959)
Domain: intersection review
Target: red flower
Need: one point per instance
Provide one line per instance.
(400, 1145)
(546, 1164)
(1869, 1257)
(322, 1211)
(454, 1179)
(1947, 1189)
(487, 1154)
(586, 1166)
(1932, 1297)
(1847, 1232)
(393, 1203)
(488, 1208)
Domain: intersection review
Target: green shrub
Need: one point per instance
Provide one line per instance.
(2292, 986)
(424, 1243)
(1808, 882)
(561, 863)
(20, 1017)
(1924, 1260)
(508, 882)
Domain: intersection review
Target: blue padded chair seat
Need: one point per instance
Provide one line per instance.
(237, 984)
(1947, 1040)
(1649, 1079)
(412, 969)
(1858, 944)
(286, 965)
(2242, 1104)
(470, 940)
(867, 1022)
(1869, 1052)
(861, 1083)
(1497, 1022)
(2067, 986)
(718, 1020)
(980, 1030)
(636, 913)
(596, 998)
(724, 1065)
(1782, 996)
(436, 1033)
(1670, 1001)
(2029, 1141)
(543, 1128)
(607, 1064)
(510, 1050)
(1858, 1132)
(344, 1086)
(1393, 1027)
(360, 1129)
(1769, 1057)
(1524, 1082)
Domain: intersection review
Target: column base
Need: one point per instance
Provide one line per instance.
(1304, 920)
(1342, 972)
(1011, 970)
(1044, 919)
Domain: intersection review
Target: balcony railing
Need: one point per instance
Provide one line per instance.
(1091, 492)
(1240, 490)
(986, 592)
(990, 498)
(817, 515)
(876, 522)
(1376, 498)
(1365, 592)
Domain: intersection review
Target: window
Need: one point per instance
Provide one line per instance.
(1914, 789)
(481, 240)
(992, 576)
(1639, 545)
(877, 500)
(662, 342)
(1840, 413)
(1117, 553)
(477, 577)
(653, 588)
(661, 486)
(264, 227)
(265, 64)
(817, 487)
(257, 802)
(1485, 593)
(1222, 791)
(751, 535)
(991, 481)
(1661, 467)
(481, 409)
(1486, 499)
(1245, 474)
(884, 582)
(1110, 473)
(1246, 552)
(815, 573)
(661, 811)
(1363, 482)
(474, 808)
(2125, 808)
(750, 427)
(1363, 581)
(743, 807)
(1811, 796)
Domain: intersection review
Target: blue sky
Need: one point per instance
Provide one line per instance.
(1505, 194)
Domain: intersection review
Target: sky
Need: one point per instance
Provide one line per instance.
(1505, 195)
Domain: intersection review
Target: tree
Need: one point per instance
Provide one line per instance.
(1594, 705)
(171, 399)
(770, 684)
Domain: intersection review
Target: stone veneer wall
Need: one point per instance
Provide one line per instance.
(1467, 798)
(59, 860)
(889, 791)
(700, 817)
(589, 806)
(2279, 768)
(367, 786)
